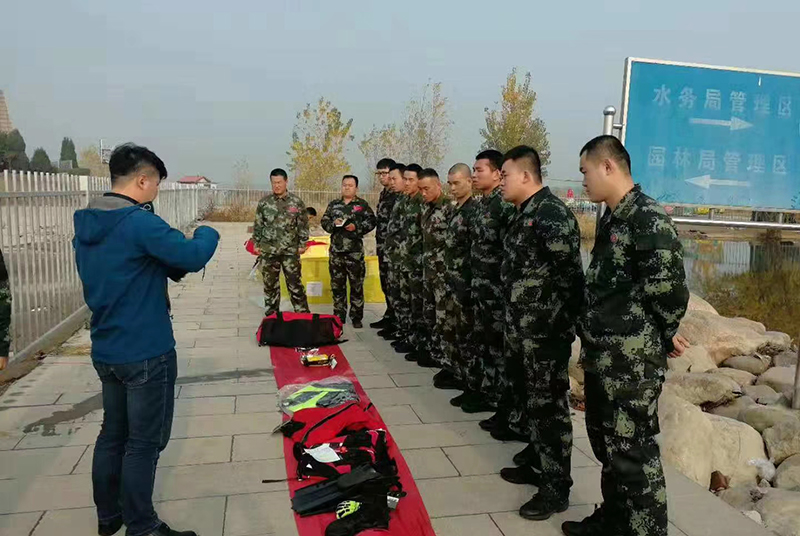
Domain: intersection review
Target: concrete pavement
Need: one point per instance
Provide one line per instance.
(209, 478)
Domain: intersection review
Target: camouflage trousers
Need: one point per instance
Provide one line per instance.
(344, 267)
(622, 422)
(434, 308)
(401, 299)
(456, 328)
(486, 370)
(541, 407)
(416, 288)
(271, 272)
(383, 268)
(5, 320)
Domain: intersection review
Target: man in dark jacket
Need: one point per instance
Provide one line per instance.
(347, 220)
(124, 254)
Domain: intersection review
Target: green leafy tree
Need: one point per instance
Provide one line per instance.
(426, 129)
(40, 161)
(319, 140)
(381, 142)
(68, 152)
(90, 159)
(12, 152)
(515, 122)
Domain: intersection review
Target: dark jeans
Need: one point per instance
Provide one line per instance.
(138, 403)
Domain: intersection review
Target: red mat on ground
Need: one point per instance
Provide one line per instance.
(411, 517)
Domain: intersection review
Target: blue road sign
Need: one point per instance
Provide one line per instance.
(713, 136)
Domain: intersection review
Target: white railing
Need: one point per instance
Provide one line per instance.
(36, 231)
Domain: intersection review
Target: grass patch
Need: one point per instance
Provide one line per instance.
(232, 213)
(587, 221)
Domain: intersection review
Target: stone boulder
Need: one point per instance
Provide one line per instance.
(741, 377)
(735, 444)
(703, 388)
(777, 342)
(755, 364)
(762, 394)
(699, 359)
(763, 417)
(679, 364)
(780, 511)
(686, 437)
(783, 440)
(787, 358)
(742, 498)
(696, 303)
(781, 379)
(732, 410)
(723, 337)
(788, 474)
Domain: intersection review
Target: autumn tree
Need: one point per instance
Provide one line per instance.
(319, 139)
(68, 152)
(90, 159)
(515, 122)
(242, 176)
(381, 142)
(40, 161)
(425, 132)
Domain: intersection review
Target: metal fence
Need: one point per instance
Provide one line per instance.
(36, 233)
(227, 197)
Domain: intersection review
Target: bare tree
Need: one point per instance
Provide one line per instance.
(426, 129)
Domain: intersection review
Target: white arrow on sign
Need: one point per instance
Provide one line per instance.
(705, 181)
(734, 124)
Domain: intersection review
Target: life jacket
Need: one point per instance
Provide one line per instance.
(317, 425)
(341, 455)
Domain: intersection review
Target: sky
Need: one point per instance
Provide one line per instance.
(205, 84)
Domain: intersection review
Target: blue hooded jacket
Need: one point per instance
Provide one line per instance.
(125, 254)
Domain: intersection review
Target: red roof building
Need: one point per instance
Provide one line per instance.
(197, 181)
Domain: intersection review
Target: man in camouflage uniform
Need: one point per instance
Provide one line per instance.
(409, 264)
(635, 298)
(436, 216)
(383, 213)
(5, 314)
(458, 320)
(491, 219)
(543, 281)
(392, 241)
(280, 233)
(347, 220)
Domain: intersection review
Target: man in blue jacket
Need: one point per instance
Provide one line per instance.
(125, 253)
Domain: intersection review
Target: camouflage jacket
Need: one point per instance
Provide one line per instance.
(435, 219)
(542, 270)
(394, 228)
(357, 212)
(636, 292)
(457, 249)
(5, 309)
(411, 246)
(281, 225)
(490, 222)
(386, 203)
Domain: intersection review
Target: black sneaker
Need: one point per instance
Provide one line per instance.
(458, 400)
(477, 405)
(382, 323)
(528, 456)
(520, 475)
(540, 507)
(110, 528)
(403, 347)
(507, 434)
(412, 356)
(426, 361)
(594, 525)
(357, 324)
(444, 379)
(492, 423)
(164, 530)
(388, 334)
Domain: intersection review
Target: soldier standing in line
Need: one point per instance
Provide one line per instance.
(543, 281)
(458, 321)
(5, 314)
(280, 233)
(491, 219)
(435, 219)
(392, 242)
(347, 220)
(383, 213)
(410, 263)
(636, 296)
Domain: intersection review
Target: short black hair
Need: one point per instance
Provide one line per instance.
(398, 166)
(529, 156)
(385, 163)
(494, 157)
(416, 168)
(278, 172)
(428, 173)
(311, 211)
(130, 158)
(609, 147)
(351, 177)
